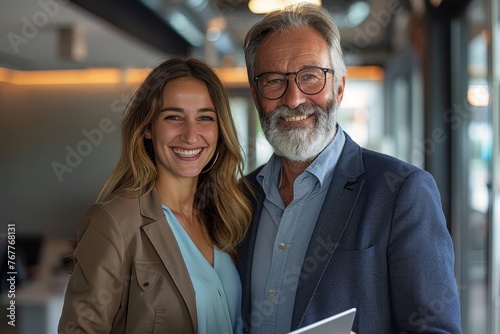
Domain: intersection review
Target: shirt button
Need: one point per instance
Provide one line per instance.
(280, 213)
(281, 246)
(271, 293)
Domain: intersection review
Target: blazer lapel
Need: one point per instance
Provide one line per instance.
(333, 219)
(165, 244)
(246, 248)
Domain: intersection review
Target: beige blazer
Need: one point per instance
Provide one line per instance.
(130, 276)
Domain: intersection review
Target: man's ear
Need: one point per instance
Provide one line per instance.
(340, 91)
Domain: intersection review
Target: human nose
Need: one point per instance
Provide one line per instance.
(189, 132)
(293, 96)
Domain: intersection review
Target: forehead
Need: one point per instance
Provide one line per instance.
(184, 85)
(186, 91)
(292, 50)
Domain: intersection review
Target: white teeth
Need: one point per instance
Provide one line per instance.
(186, 153)
(295, 118)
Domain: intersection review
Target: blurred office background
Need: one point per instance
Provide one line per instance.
(423, 85)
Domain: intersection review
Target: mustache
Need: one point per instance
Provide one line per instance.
(285, 111)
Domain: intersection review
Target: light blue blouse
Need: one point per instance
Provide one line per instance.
(217, 288)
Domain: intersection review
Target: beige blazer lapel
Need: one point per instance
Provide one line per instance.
(162, 237)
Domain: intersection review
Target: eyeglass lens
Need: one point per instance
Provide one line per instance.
(310, 81)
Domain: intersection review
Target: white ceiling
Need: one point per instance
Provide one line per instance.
(30, 35)
(30, 31)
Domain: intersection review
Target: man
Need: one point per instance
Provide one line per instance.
(335, 226)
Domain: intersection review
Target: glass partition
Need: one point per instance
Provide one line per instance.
(494, 217)
(476, 157)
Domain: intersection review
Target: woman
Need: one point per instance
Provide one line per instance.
(155, 253)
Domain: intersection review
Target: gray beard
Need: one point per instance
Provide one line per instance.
(299, 144)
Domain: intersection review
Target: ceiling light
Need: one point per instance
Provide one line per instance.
(197, 5)
(218, 23)
(357, 13)
(186, 28)
(265, 6)
(478, 95)
(213, 34)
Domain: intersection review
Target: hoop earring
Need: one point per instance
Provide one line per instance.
(212, 165)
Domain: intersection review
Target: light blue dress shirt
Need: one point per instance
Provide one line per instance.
(217, 288)
(283, 237)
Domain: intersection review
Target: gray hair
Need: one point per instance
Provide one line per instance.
(291, 17)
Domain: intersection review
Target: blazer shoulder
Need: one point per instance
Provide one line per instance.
(377, 161)
(387, 172)
(126, 209)
(117, 203)
(120, 197)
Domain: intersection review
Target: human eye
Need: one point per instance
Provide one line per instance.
(208, 117)
(272, 79)
(310, 75)
(171, 117)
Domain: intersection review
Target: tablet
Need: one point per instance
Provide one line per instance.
(340, 323)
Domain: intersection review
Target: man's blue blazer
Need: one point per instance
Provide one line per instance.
(380, 245)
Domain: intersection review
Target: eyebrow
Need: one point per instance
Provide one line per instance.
(177, 109)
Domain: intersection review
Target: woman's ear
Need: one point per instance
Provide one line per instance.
(147, 134)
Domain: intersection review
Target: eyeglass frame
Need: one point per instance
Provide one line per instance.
(324, 69)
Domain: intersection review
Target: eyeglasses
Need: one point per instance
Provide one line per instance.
(310, 80)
